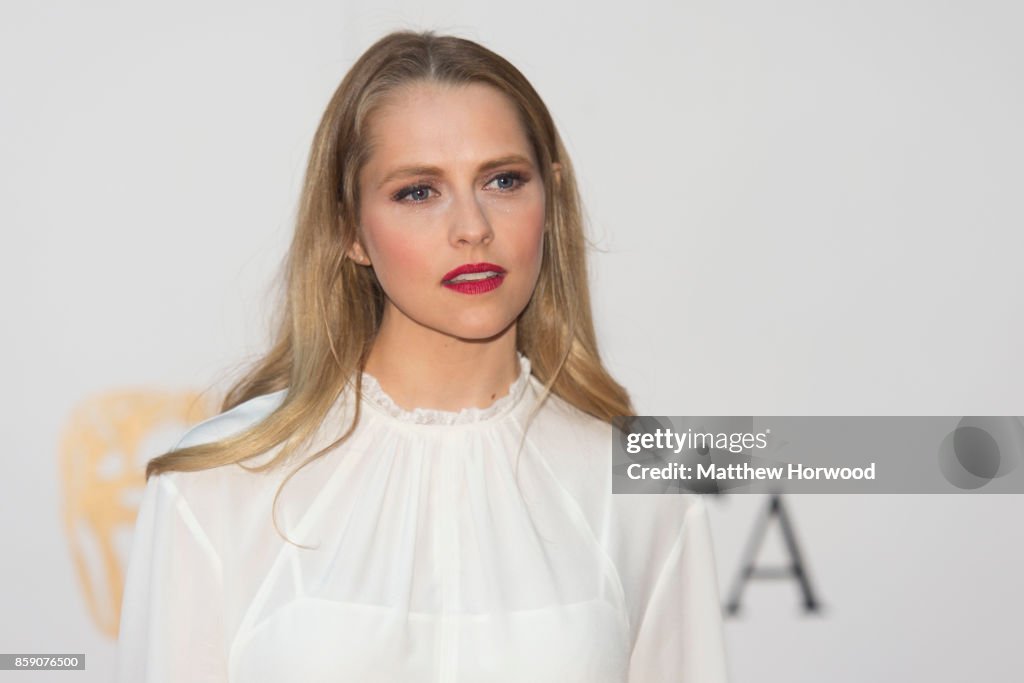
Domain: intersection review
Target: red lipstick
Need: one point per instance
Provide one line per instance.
(474, 278)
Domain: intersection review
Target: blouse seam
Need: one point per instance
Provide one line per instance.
(248, 624)
(188, 517)
(418, 614)
(609, 562)
(673, 555)
(191, 522)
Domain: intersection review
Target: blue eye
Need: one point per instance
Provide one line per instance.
(419, 193)
(508, 181)
(513, 179)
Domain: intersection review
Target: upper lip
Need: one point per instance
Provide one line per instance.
(472, 268)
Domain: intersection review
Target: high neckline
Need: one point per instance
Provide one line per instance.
(375, 397)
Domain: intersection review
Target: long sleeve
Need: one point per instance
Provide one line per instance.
(680, 637)
(172, 609)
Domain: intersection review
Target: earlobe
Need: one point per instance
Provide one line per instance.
(357, 254)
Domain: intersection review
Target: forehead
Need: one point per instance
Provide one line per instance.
(444, 125)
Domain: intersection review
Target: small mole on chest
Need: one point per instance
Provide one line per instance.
(493, 396)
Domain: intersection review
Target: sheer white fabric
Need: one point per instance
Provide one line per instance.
(430, 559)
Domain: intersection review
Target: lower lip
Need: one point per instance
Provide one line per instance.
(476, 286)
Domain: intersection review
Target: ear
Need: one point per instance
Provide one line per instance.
(358, 254)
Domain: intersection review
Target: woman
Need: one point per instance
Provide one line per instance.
(414, 484)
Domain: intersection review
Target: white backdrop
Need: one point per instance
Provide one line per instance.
(802, 207)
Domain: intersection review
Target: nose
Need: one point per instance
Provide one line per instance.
(469, 222)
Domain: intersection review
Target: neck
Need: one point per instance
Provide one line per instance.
(419, 367)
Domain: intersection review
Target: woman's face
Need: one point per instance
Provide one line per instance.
(451, 181)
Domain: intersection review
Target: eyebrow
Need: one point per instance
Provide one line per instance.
(420, 169)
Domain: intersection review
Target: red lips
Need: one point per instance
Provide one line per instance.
(472, 268)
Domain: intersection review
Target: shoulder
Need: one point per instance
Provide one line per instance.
(576, 448)
(562, 422)
(207, 495)
(232, 421)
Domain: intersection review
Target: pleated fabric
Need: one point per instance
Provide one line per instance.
(481, 545)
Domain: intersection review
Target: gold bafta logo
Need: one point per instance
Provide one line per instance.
(103, 453)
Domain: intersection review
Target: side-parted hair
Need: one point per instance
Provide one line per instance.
(331, 306)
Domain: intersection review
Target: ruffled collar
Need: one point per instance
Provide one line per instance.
(375, 396)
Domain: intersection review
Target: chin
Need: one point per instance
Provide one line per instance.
(478, 329)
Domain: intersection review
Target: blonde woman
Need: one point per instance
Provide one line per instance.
(414, 484)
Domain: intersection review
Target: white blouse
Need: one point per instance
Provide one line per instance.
(430, 559)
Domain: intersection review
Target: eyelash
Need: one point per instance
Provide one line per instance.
(406, 191)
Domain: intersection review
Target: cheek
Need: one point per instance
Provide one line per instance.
(397, 257)
(530, 237)
(399, 253)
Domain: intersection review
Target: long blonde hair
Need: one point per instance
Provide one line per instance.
(332, 307)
